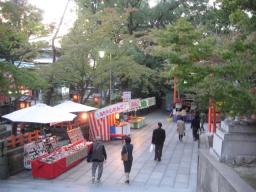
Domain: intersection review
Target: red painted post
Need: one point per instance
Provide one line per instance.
(214, 118)
(210, 117)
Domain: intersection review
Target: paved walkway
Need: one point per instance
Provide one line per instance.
(177, 172)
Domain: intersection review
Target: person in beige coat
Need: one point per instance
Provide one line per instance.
(180, 128)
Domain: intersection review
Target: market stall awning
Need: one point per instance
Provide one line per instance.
(72, 107)
(40, 113)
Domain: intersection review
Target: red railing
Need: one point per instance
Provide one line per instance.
(19, 140)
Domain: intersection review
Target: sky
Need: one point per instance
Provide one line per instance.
(53, 9)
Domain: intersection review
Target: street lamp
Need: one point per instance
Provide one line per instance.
(101, 55)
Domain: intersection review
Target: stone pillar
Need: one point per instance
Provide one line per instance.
(235, 141)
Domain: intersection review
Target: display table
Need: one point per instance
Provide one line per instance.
(121, 130)
(137, 122)
(56, 163)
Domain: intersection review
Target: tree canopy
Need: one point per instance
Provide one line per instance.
(209, 48)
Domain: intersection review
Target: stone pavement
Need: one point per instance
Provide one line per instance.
(177, 172)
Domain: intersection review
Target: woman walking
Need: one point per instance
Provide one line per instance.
(127, 157)
(180, 128)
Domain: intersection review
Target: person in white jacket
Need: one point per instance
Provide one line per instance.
(180, 128)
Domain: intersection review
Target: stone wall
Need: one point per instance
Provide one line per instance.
(15, 160)
(214, 176)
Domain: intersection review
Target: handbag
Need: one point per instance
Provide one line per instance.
(152, 147)
(124, 156)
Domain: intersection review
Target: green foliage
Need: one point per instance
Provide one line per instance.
(222, 69)
(19, 21)
(12, 77)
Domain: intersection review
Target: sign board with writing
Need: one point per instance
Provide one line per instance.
(76, 156)
(151, 101)
(116, 108)
(143, 103)
(75, 135)
(127, 95)
(134, 104)
(32, 151)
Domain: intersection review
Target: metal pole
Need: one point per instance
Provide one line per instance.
(110, 80)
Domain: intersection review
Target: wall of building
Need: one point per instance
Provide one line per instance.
(214, 176)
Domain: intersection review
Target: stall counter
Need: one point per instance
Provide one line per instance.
(48, 168)
(137, 122)
(121, 130)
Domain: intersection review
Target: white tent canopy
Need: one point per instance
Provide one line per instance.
(72, 107)
(40, 113)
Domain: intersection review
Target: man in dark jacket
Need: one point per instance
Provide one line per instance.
(158, 139)
(98, 156)
(195, 126)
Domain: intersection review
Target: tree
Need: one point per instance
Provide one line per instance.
(81, 64)
(211, 68)
(18, 23)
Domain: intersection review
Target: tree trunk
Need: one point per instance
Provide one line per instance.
(54, 51)
(49, 95)
(130, 24)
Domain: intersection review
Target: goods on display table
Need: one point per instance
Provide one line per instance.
(136, 122)
(52, 165)
(38, 148)
(75, 135)
(55, 162)
(120, 130)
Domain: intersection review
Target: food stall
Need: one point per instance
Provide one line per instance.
(109, 122)
(51, 165)
(82, 112)
(106, 122)
(136, 104)
(44, 155)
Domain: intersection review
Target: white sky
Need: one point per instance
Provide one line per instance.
(53, 10)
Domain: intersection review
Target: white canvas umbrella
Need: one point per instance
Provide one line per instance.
(72, 107)
(40, 113)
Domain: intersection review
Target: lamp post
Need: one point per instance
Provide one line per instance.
(110, 80)
(101, 55)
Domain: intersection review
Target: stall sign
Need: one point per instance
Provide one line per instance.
(151, 101)
(116, 108)
(143, 103)
(75, 135)
(74, 157)
(134, 104)
(127, 95)
(32, 151)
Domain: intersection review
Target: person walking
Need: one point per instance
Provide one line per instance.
(195, 126)
(180, 128)
(158, 139)
(202, 120)
(127, 151)
(98, 156)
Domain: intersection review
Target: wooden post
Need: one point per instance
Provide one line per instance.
(36, 134)
(29, 137)
(13, 141)
(21, 139)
